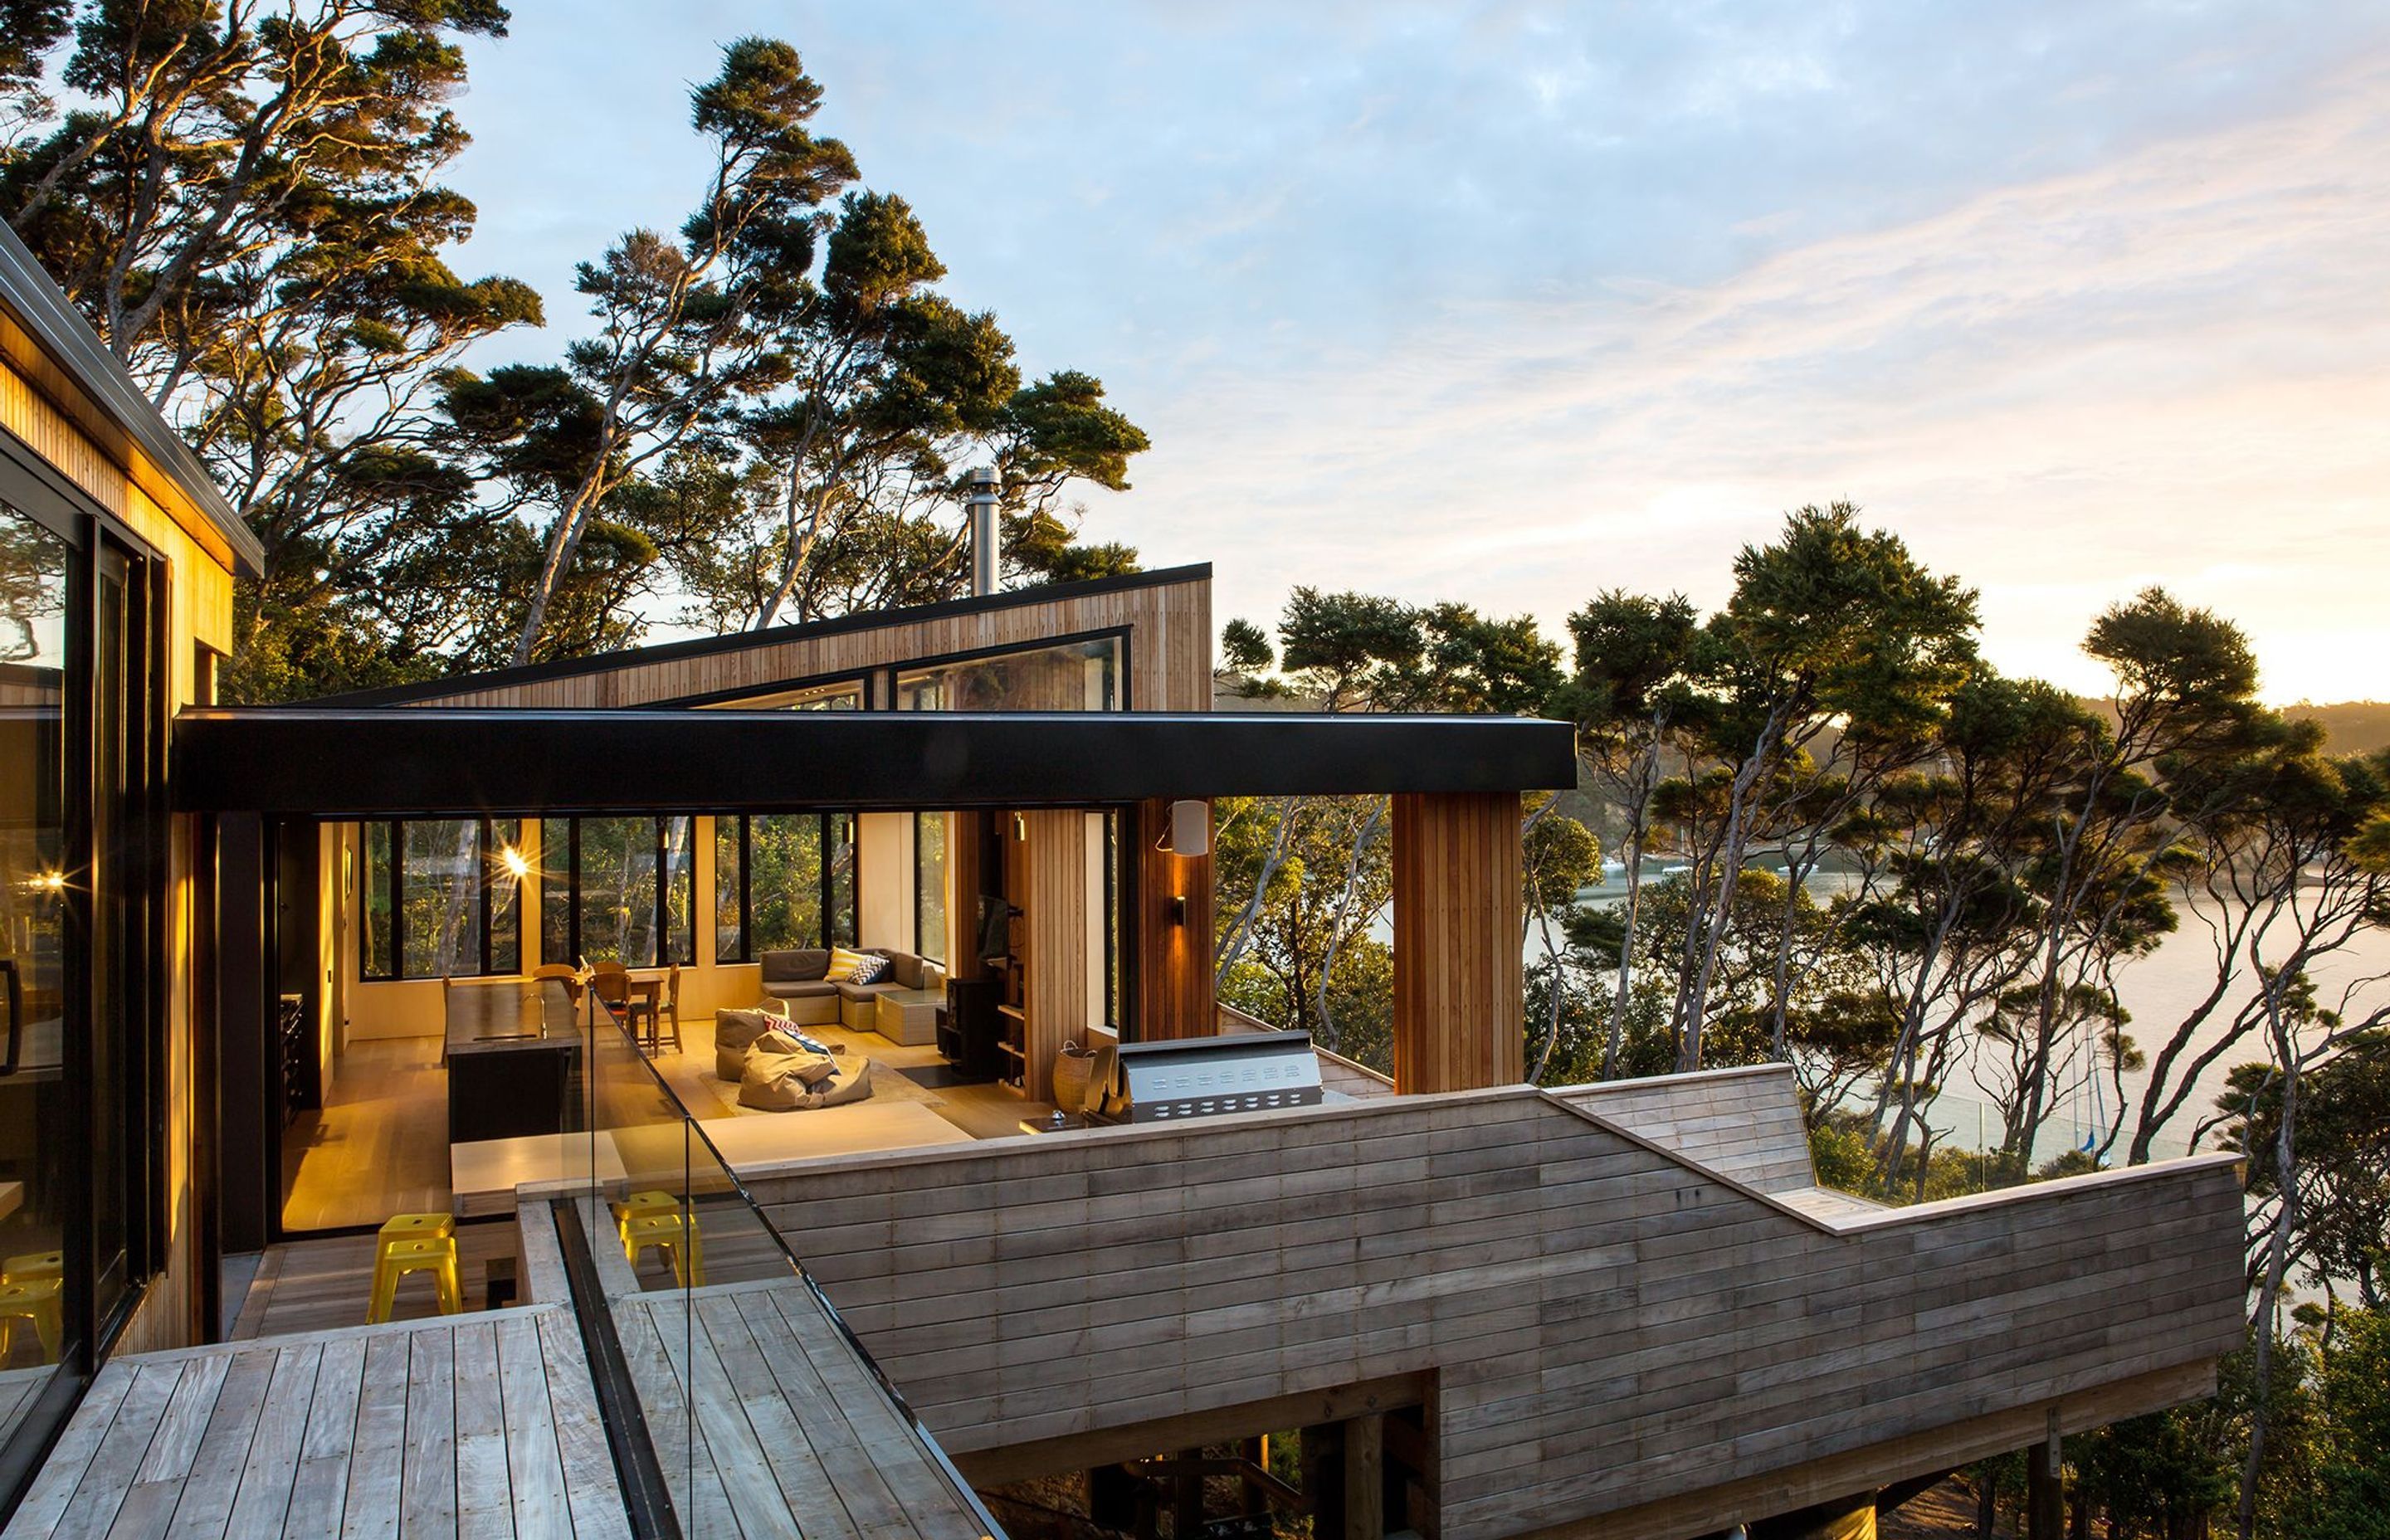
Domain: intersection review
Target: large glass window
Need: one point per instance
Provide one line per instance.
(81, 989)
(1072, 676)
(619, 890)
(845, 695)
(442, 898)
(783, 879)
(930, 885)
(36, 1117)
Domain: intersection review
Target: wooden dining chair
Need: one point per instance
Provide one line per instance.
(611, 982)
(669, 1006)
(566, 971)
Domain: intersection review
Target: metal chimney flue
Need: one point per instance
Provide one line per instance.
(982, 529)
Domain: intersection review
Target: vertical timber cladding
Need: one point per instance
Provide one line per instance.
(1047, 874)
(1174, 953)
(1458, 1017)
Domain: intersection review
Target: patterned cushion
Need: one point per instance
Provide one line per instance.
(871, 971)
(843, 961)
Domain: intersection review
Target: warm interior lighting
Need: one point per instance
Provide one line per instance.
(50, 882)
(512, 859)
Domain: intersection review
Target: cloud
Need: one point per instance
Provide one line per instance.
(2168, 369)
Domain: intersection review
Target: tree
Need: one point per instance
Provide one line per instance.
(1832, 624)
(242, 201)
(1636, 660)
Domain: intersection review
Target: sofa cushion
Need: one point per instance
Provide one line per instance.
(872, 970)
(862, 992)
(794, 965)
(906, 968)
(800, 989)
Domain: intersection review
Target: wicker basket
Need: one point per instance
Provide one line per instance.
(1070, 1066)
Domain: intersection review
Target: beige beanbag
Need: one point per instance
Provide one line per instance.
(734, 1031)
(780, 1077)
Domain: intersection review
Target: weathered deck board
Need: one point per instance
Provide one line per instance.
(792, 1436)
(478, 1425)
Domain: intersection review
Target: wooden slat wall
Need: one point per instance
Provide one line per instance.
(1169, 653)
(1048, 877)
(1457, 1002)
(1744, 1123)
(1608, 1326)
(1174, 976)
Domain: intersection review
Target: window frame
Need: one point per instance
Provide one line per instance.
(894, 674)
(919, 894)
(393, 884)
(853, 908)
(737, 696)
(665, 956)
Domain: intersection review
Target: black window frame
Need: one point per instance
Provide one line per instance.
(746, 950)
(139, 869)
(894, 674)
(393, 873)
(921, 893)
(662, 932)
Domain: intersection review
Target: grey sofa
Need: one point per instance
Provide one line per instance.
(796, 976)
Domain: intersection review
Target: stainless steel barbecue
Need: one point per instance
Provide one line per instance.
(1200, 1077)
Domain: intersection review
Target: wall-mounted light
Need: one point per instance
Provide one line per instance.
(1190, 830)
(1178, 909)
(47, 882)
(1021, 826)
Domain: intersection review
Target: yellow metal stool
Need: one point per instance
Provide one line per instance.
(639, 1205)
(415, 1226)
(33, 1264)
(664, 1232)
(35, 1299)
(434, 1254)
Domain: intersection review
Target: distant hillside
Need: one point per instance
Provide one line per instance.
(2350, 727)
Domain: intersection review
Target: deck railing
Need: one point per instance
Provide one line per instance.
(745, 1375)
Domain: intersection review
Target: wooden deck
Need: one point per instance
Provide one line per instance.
(792, 1437)
(480, 1426)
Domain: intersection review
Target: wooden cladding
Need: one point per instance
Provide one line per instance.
(1047, 874)
(1607, 1325)
(1168, 653)
(1459, 1019)
(1172, 934)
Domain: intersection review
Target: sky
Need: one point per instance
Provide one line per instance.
(1512, 303)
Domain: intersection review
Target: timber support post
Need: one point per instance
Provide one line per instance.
(1459, 1020)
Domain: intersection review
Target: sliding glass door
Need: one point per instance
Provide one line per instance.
(82, 900)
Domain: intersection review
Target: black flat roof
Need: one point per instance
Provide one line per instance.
(741, 641)
(372, 762)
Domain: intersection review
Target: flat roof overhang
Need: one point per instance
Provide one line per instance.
(380, 763)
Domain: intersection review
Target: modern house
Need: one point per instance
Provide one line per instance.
(379, 1151)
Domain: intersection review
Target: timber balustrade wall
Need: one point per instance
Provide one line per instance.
(1608, 1324)
(1741, 1122)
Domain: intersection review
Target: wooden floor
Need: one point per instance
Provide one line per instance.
(487, 1426)
(18, 1388)
(984, 1111)
(791, 1438)
(317, 1285)
(379, 1146)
